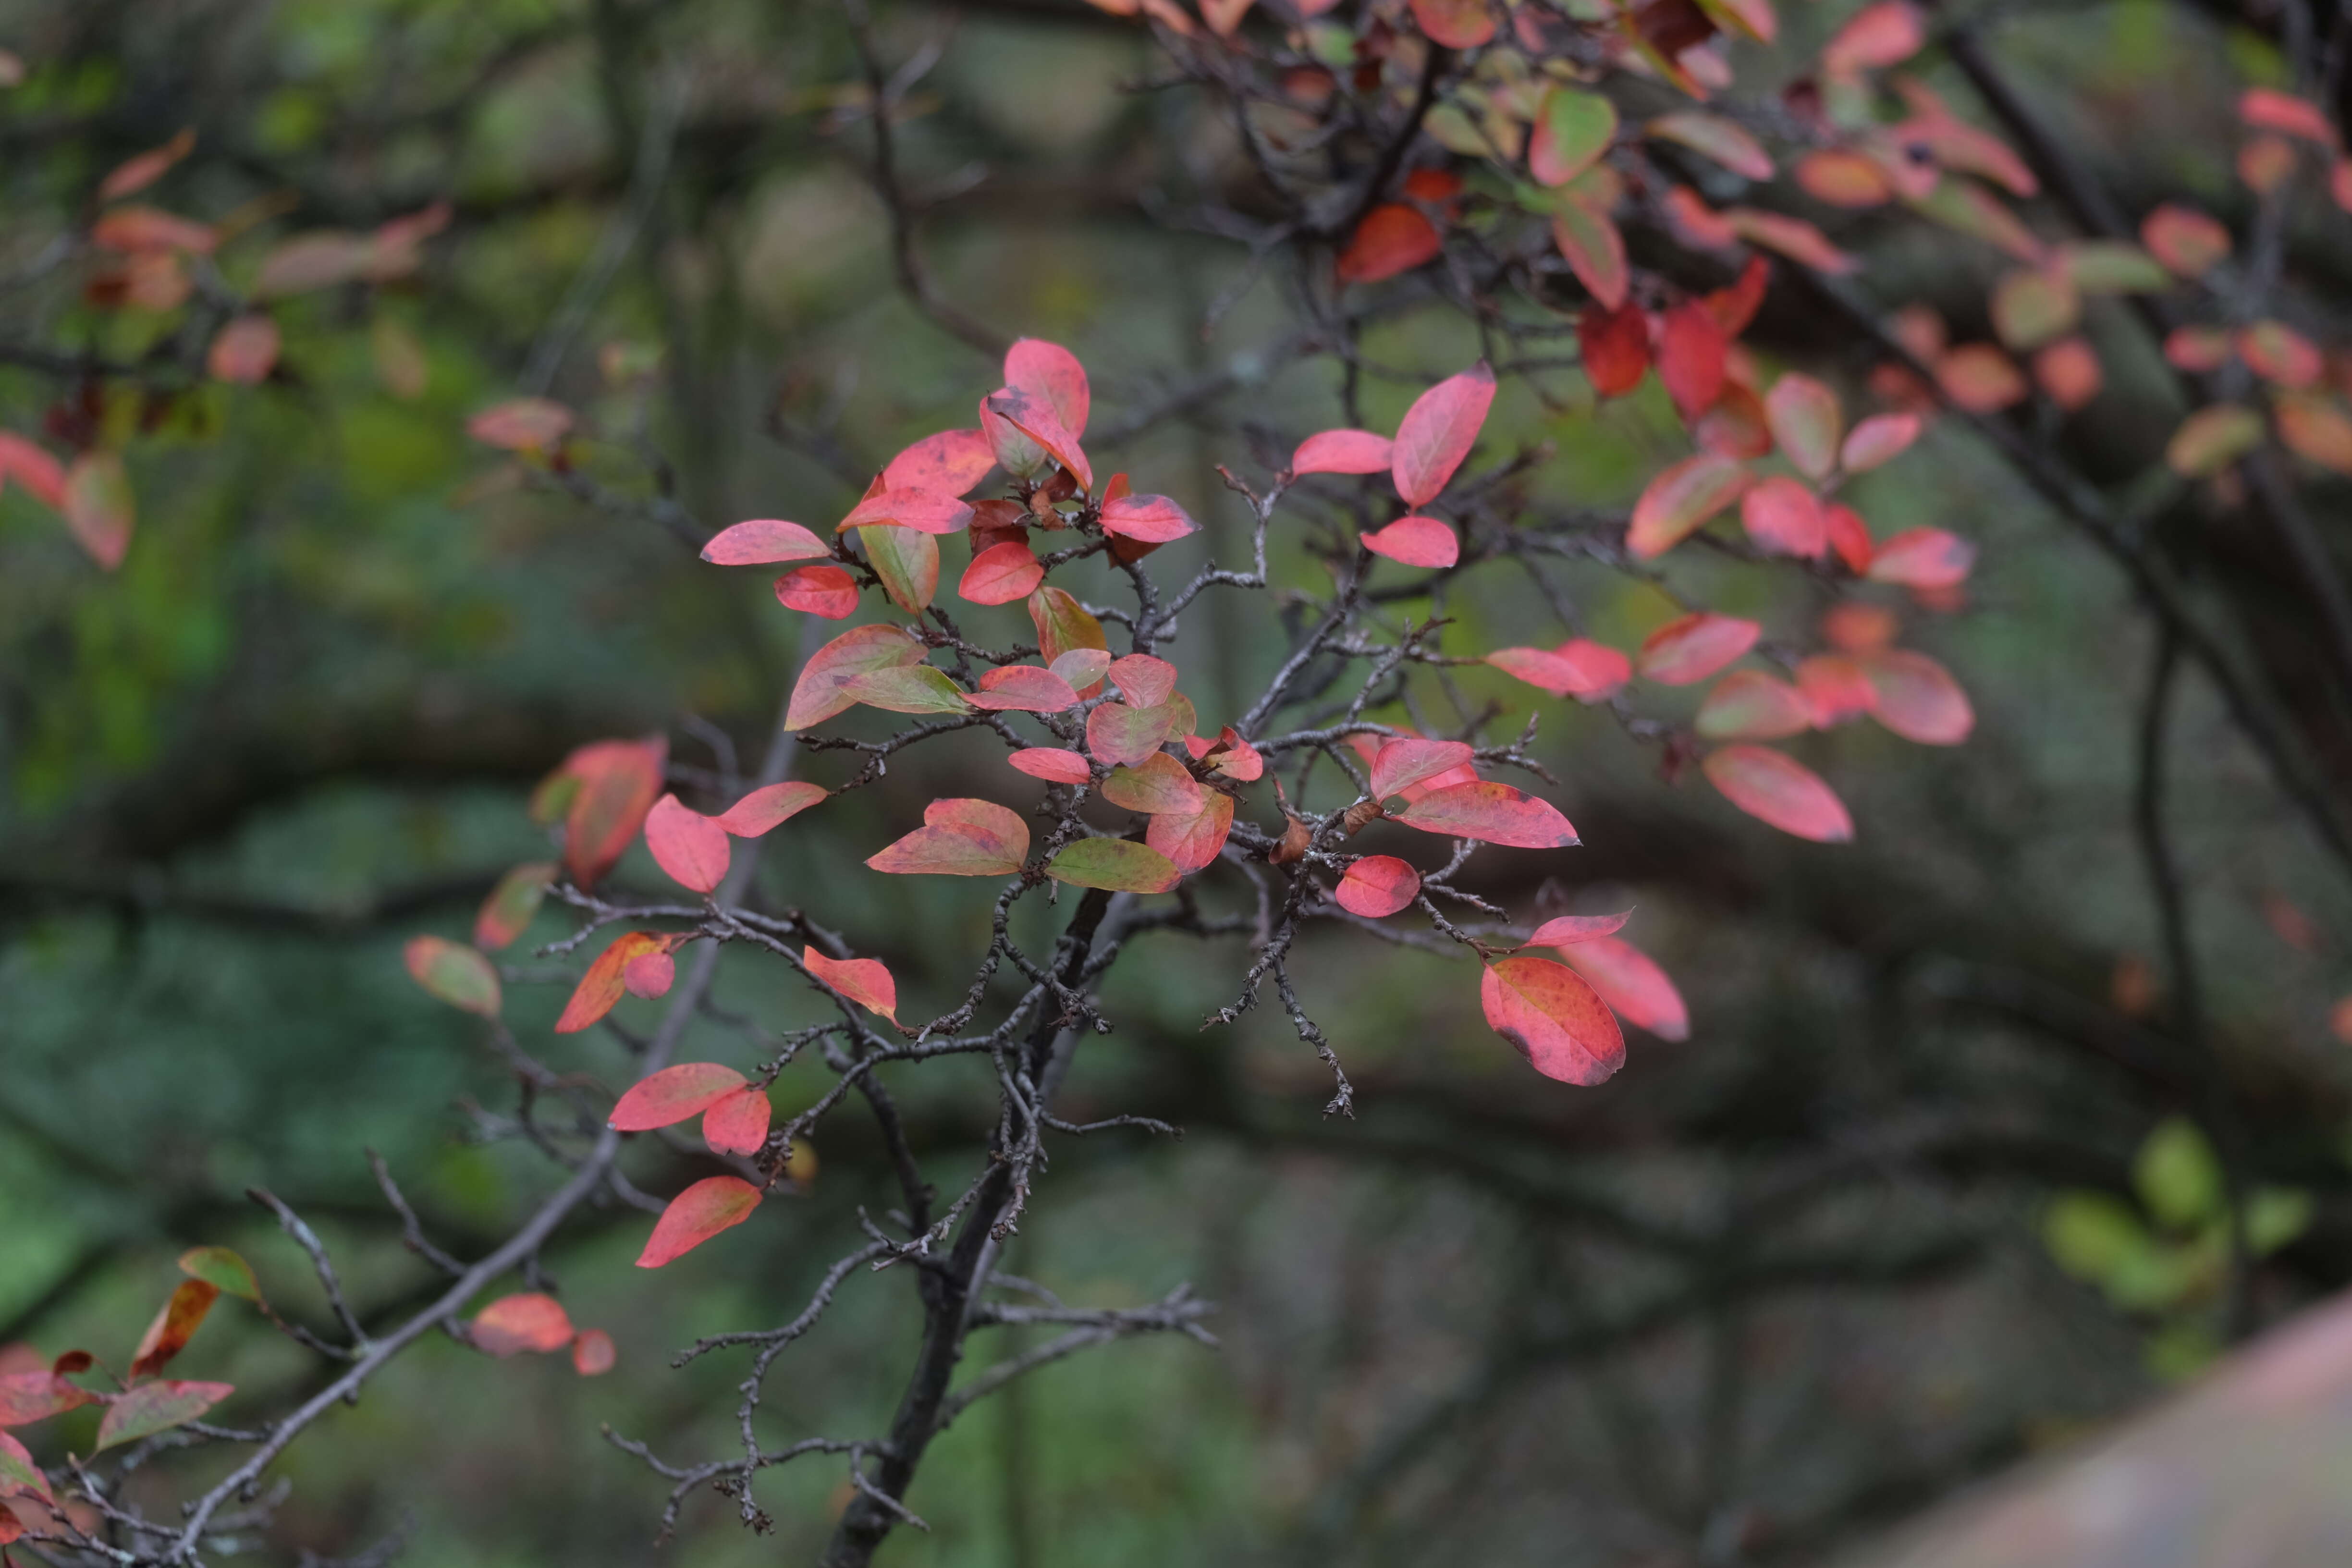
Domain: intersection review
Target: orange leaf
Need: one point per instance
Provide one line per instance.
(865, 981)
(603, 985)
(513, 1324)
(174, 1325)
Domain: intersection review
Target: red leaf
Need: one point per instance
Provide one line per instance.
(512, 1324)
(1695, 647)
(736, 1121)
(1052, 373)
(1795, 239)
(1159, 785)
(29, 1397)
(1674, 504)
(1496, 812)
(1784, 518)
(1635, 988)
(1025, 687)
(760, 541)
(602, 987)
(1596, 669)
(1343, 452)
(1377, 886)
(649, 974)
(1438, 432)
(1192, 839)
(1415, 541)
(175, 1324)
(522, 424)
(1616, 345)
(157, 1408)
(1807, 421)
(865, 981)
(618, 783)
(1553, 1018)
(1034, 417)
(691, 848)
(100, 507)
(1457, 24)
(826, 591)
(1779, 790)
(1749, 705)
(2267, 109)
(1834, 690)
(1849, 536)
(1568, 930)
(43, 476)
(1980, 378)
(1593, 248)
(958, 839)
(1691, 349)
(1735, 307)
(673, 1095)
(1917, 697)
(1882, 35)
(1053, 765)
(136, 173)
(1143, 680)
(949, 463)
(767, 806)
(1124, 736)
(592, 1353)
(1001, 573)
(2187, 241)
(243, 351)
(1403, 760)
(821, 692)
(925, 511)
(1923, 558)
(1877, 440)
(2068, 370)
(1392, 238)
(1155, 520)
(458, 976)
(1722, 140)
(712, 1204)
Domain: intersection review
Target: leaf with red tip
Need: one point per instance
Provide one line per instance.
(1143, 680)
(1692, 348)
(157, 1408)
(1834, 690)
(1694, 646)
(29, 1397)
(1124, 736)
(961, 837)
(687, 845)
(1878, 440)
(1712, 136)
(866, 981)
(1632, 985)
(1980, 378)
(1777, 789)
(1593, 248)
(1377, 886)
(712, 1204)
(1573, 127)
(1034, 418)
(619, 780)
(1343, 452)
(1001, 573)
(1844, 179)
(45, 478)
(1403, 760)
(1881, 35)
(1157, 784)
(1155, 520)
(458, 976)
(1923, 558)
(2212, 438)
(826, 591)
(100, 507)
(673, 1095)
(1570, 930)
(19, 1474)
(592, 1353)
(1063, 625)
(1416, 541)
(514, 1324)
(822, 690)
(736, 1121)
(1192, 840)
(1553, 1018)
(1084, 668)
(1616, 347)
(2267, 109)
(1917, 697)
(1232, 756)
(1457, 24)
(1114, 865)
(1784, 518)
(2187, 241)
(602, 987)
(949, 463)
(1493, 813)
(1438, 431)
(1849, 536)
(174, 1326)
(2280, 355)
(1793, 238)
(762, 541)
(1749, 705)
(909, 689)
(1051, 372)
(1674, 504)
(245, 350)
(522, 424)
(2317, 429)
(766, 808)
(925, 511)
(508, 909)
(1024, 687)
(135, 229)
(1806, 421)
(136, 173)
(1053, 765)
(1392, 238)
(908, 562)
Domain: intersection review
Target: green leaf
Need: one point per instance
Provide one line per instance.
(1580, 126)
(2178, 1177)
(908, 688)
(458, 976)
(1115, 863)
(2093, 1235)
(156, 1408)
(2274, 1217)
(222, 1269)
(2113, 266)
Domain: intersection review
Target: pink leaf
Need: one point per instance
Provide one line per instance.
(649, 974)
(1438, 432)
(1377, 886)
(1553, 1018)
(826, 591)
(1157, 784)
(1777, 789)
(1878, 440)
(1496, 812)
(1123, 736)
(1923, 558)
(712, 1204)
(686, 844)
(592, 1353)
(1674, 505)
(762, 541)
(1053, 765)
(1570, 930)
(1025, 687)
(1749, 705)
(1343, 452)
(925, 511)
(1403, 760)
(864, 981)
(157, 1408)
(1784, 518)
(1917, 697)
(1695, 647)
(767, 806)
(1033, 417)
(1416, 541)
(522, 424)
(949, 463)
(1001, 573)
(1192, 840)
(1052, 373)
(1884, 34)
(1143, 680)
(1632, 985)
(736, 1121)
(1154, 520)
(673, 1095)
(513, 1324)
(245, 350)
(1807, 421)
(822, 690)
(960, 838)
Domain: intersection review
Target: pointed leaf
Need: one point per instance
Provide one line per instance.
(1593, 248)
(1124, 736)
(907, 689)
(174, 1324)
(865, 981)
(1377, 886)
(19, 1474)
(1570, 930)
(222, 1269)
(712, 1204)
(1052, 372)
(1749, 705)
(100, 508)
(1917, 697)
(1001, 573)
(1675, 503)
(1783, 517)
(1159, 784)
(826, 591)
(1062, 626)
(1715, 137)
(1438, 432)
(1416, 541)
(1155, 520)
(1403, 760)
(508, 909)
(1344, 452)
(1695, 647)
(1143, 680)
(1923, 558)
(737, 1122)
(1553, 1018)
(1878, 440)
(29, 1397)
(1635, 988)
(1495, 813)
(157, 1408)
(458, 976)
(673, 1095)
(766, 808)
(689, 847)
(1053, 765)
(1034, 418)
(1025, 687)
(619, 780)
(520, 424)
(1117, 865)
(960, 838)
(1806, 422)
(908, 562)
(1778, 789)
